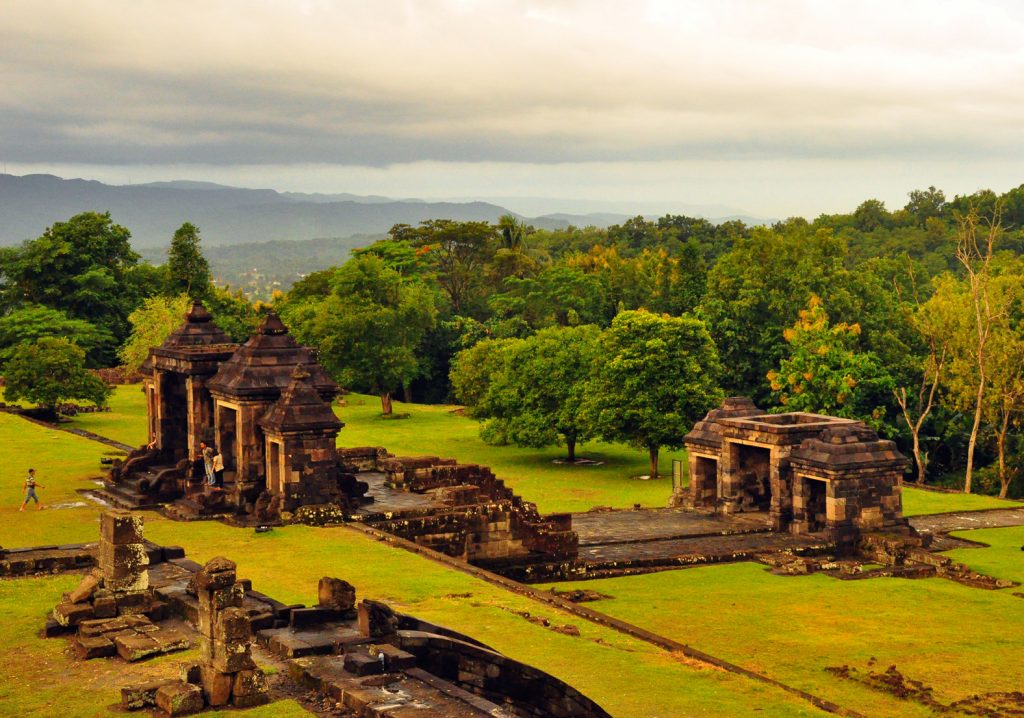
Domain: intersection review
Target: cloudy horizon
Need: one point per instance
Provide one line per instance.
(769, 108)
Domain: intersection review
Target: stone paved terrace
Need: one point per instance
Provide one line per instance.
(613, 541)
(941, 524)
(610, 527)
(386, 499)
(699, 549)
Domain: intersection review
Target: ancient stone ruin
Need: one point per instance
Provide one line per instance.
(114, 608)
(807, 472)
(266, 405)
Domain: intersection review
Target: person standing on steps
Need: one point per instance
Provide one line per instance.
(207, 454)
(30, 490)
(218, 469)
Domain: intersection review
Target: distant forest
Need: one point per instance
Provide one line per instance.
(911, 319)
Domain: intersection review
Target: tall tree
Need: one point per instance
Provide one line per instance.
(82, 267)
(368, 328)
(151, 324)
(49, 371)
(656, 377)
(188, 272)
(458, 252)
(825, 371)
(33, 322)
(975, 249)
(535, 387)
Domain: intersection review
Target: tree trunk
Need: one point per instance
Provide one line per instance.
(570, 444)
(1004, 479)
(407, 392)
(917, 458)
(385, 403)
(974, 434)
(654, 461)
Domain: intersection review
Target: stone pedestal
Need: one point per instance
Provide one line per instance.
(229, 675)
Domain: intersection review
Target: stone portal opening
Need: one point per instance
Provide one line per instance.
(227, 429)
(174, 439)
(814, 491)
(274, 477)
(754, 464)
(705, 478)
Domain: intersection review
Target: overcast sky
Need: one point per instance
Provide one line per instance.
(775, 107)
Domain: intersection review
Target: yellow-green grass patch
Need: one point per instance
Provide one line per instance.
(956, 639)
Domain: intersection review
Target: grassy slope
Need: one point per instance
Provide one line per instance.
(835, 622)
(436, 430)
(1003, 559)
(126, 420)
(956, 639)
(918, 501)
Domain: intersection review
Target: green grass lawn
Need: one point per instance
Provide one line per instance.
(63, 463)
(628, 677)
(1003, 558)
(958, 640)
(126, 420)
(918, 501)
(439, 431)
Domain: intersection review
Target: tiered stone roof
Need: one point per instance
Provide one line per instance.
(300, 408)
(848, 447)
(193, 345)
(262, 367)
(708, 431)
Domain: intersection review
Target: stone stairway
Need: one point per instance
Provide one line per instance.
(127, 494)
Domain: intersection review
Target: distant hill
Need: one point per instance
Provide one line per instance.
(226, 215)
(232, 215)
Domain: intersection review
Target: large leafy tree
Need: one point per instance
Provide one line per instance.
(826, 373)
(188, 272)
(49, 371)
(32, 322)
(83, 267)
(657, 375)
(531, 390)
(151, 324)
(368, 328)
(458, 253)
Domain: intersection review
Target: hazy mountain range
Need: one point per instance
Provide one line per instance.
(233, 215)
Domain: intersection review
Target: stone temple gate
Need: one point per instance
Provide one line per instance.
(810, 473)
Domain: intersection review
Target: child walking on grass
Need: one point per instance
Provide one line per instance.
(30, 490)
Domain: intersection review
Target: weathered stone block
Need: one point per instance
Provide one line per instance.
(85, 589)
(336, 594)
(71, 614)
(178, 699)
(136, 646)
(376, 619)
(249, 683)
(121, 561)
(216, 686)
(120, 527)
(141, 696)
(105, 607)
(233, 626)
(218, 572)
(94, 647)
(134, 582)
(232, 658)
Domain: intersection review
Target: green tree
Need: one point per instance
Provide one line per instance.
(188, 272)
(533, 388)
(657, 376)
(49, 371)
(33, 322)
(825, 373)
(82, 267)
(368, 328)
(151, 324)
(458, 253)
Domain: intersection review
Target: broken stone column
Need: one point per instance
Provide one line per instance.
(120, 583)
(229, 675)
